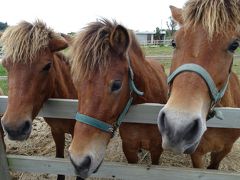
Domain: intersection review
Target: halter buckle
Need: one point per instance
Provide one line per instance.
(111, 130)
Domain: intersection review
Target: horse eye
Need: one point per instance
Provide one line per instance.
(116, 85)
(47, 67)
(173, 43)
(233, 46)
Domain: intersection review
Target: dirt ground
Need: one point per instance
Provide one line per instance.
(41, 143)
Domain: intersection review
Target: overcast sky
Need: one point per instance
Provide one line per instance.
(71, 15)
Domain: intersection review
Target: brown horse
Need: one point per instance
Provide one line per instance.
(101, 58)
(207, 38)
(36, 72)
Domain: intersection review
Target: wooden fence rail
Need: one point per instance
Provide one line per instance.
(144, 113)
(115, 170)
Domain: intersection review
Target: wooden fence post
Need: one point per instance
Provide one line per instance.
(4, 171)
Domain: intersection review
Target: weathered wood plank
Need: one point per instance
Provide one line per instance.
(3, 103)
(117, 170)
(147, 113)
(59, 109)
(142, 113)
(4, 171)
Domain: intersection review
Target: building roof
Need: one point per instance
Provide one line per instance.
(146, 32)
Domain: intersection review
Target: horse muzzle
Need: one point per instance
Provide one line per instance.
(181, 132)
(18, 132)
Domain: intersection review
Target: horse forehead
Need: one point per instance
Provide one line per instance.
(26, 67)
(197, 42)
(39, 58)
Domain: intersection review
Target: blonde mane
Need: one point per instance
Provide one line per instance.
(23, 42)
(91, 49)
(216, 16)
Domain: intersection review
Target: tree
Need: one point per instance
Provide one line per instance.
(3, 26)
(71, 33)
(157, 35)
(171, 24)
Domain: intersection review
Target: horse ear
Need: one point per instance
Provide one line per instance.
(57, 44)
(177, 14)
(68, 38)
(120, 40)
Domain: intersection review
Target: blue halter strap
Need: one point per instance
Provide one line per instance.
(109, 128)
(215, 94)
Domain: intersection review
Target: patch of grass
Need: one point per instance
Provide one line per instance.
(238, 51)
(157, 50)
(236, 66)
(3, 71)
(4, 86)
(65, 51)
(164, 50)
(166, 64)
(3, 83)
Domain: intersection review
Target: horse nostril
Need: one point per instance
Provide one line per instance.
(25, 127)
(86, 163)
(19, 132)
(162, 122)
(192, 130)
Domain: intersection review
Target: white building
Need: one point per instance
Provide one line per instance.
(145, 37)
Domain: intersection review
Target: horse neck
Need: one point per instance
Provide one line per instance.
(149, 77)
(63, 84)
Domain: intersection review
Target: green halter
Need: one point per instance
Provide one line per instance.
(215, 94)
(105, 126)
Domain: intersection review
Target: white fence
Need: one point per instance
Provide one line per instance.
(146, 113)
(166, 42)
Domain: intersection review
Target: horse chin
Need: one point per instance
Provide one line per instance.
(79, 171)
(85, 165)
(84, 172)
(81, 174)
